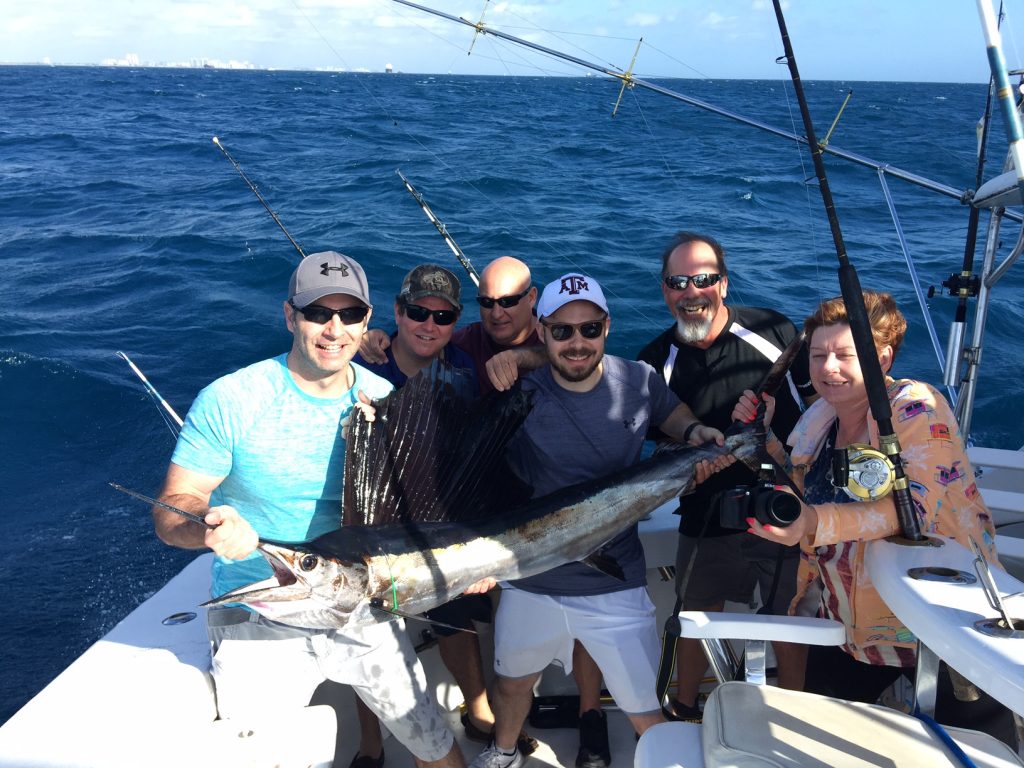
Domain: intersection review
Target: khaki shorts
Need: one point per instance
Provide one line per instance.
(728, 567)
(260, 666)
(618, 630)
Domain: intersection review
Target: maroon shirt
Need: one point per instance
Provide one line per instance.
(475, 342)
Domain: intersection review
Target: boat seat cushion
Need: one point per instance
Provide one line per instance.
(750, 726)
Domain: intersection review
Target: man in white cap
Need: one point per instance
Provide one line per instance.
(261, 456)
(590, 415)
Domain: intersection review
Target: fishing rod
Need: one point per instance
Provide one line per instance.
(197, 519)
(259, 197)
(439, 225)
(165, 408)
(965, 284)
(853, 299)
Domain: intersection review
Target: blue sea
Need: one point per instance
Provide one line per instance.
(122, 227)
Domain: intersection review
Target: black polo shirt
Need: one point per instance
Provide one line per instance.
(711, 381)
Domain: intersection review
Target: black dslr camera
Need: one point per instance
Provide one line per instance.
(760, 501)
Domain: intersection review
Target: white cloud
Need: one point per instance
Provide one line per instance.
(643, 20)
(716, 20)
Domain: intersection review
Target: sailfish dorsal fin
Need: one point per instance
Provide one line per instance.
(431, 455)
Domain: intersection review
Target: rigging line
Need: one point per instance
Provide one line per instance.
(680, 62)
(853, 299)
(557, 34)
(811, 219)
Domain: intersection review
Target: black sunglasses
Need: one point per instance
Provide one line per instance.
(505, 302)
(315, 313)
(419, 314)
(679, 282)
(564, 331)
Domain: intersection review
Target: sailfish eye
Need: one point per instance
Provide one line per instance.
(309, 562)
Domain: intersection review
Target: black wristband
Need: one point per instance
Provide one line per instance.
(689, 430)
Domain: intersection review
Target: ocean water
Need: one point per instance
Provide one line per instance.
(122, 227)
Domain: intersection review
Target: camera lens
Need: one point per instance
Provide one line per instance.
(777, 508)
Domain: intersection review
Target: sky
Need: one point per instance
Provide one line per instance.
(910, 40)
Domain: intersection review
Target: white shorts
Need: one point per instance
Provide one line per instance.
(618, 630)
(261, 665)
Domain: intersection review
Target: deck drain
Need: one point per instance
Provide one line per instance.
(945, 575)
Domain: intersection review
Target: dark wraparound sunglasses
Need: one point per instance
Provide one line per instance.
(564, 331)
(419, 314)
(505, 302)
(679, 282)
(315, 313)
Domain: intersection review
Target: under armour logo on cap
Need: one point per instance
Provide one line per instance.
(573, 284)
(326, 268)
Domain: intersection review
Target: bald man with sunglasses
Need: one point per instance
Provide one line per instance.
(260, 456)
(589, 418)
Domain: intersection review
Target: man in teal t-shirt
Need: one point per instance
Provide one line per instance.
(261, 455)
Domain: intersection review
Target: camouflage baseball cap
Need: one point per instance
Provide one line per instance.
(430, 280)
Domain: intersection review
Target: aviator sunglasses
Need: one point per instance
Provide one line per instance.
(419, 314)
(505, 302)
(315, 313)
(564, 331)
(679, 282)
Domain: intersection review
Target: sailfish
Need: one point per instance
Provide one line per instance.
(429, 509)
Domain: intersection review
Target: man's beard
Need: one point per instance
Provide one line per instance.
(576, 375)
(695, 330)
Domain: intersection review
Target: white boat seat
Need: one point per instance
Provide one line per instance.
(750, 726)
(1001, 482)
(995, 458)
(713, 629)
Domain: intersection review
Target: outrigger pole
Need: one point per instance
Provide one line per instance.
(1004, 91)
(630, 80)
(259, 197)
(439, 225)
(853, 298)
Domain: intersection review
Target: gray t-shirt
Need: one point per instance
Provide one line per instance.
(572, 437)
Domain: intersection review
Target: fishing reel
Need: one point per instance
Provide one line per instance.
(864, 472)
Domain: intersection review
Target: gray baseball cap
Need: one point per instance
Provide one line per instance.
(321, 274)
(430, 280)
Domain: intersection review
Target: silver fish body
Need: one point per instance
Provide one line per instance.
(345, 577)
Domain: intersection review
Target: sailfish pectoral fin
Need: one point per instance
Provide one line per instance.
(609, 566)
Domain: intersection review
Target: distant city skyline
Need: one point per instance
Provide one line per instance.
(914, 40)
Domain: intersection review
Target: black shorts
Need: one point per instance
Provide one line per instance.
(460, 612)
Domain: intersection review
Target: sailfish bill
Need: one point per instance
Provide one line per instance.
(345, 577)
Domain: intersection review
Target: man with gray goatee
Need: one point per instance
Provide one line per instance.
(711, 354)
